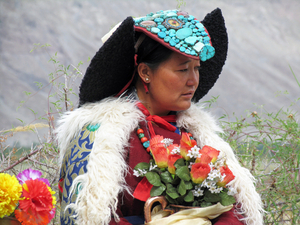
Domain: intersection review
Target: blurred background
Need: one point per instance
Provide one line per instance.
(264, 45)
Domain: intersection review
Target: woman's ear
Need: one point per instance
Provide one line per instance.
(144, 72)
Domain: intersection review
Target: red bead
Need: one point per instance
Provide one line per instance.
(144, 139)
(140, 131)
(190, 135)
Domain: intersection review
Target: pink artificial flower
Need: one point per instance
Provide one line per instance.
(31, 174)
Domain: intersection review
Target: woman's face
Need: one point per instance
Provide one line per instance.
(172, 85)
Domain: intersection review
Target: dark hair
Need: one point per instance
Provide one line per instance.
(151, 52)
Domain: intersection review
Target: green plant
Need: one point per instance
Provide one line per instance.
(43, 155)
(268, 145)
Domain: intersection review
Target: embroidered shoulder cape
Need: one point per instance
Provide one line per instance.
(108, 124)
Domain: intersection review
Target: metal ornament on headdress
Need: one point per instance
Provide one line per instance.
(178, 31)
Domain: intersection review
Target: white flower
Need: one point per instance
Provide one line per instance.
(214, 189)
(214, 175)
(139, 172)
(208, 184)
(152, 167)
(197, 192)
(167, 142)
(194, 152)
(231, 191)
(175, 150)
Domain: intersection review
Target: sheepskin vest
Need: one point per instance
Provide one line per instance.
(100, 187)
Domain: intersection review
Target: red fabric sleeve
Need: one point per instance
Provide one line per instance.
(228, 218)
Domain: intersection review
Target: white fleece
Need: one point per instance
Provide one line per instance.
(204, 129)
(106, 169)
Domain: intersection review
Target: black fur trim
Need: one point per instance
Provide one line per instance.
(112, 66)
(210, 70)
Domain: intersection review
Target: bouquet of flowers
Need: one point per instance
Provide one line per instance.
(27, 197)
(187, 175)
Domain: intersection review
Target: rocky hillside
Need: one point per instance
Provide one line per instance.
(263, 45)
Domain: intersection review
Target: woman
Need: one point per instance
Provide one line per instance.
(145, 76)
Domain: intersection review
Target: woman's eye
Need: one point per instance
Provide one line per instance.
(184, 70)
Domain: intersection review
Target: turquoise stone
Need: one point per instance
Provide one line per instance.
(177, 46)
(164, 29)
(172, 31)
(206, 38)
(187, 51)
(172, 42)
(195, 30)
(182, 49)
(192, 26)
(158, 20)
(141, 135)
(183, 33)
(155, 30)
(197, 47)
(196, 21)
(149, 18)
(167, 38)
(167, 32)
(193, 52)
(203, 33)
(171, 14)
(177, 41)
(207, 53)
(199, 25)
(161, 34)
(160, 26)
(91, 127)
(156, 15)
(146, 144)
(180, 17)
(191, 17)
(191, 40)
(150, 14)
(185, 45)
(172, 34)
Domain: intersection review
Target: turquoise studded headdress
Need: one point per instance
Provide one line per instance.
(111, 69)
(179, 32)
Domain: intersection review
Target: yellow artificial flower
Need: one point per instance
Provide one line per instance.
(10, 192)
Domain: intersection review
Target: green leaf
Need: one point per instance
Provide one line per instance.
(171, 191)
(226, 199)
(189, 197)
(153, 178)
(142, 166)
(188, 185)
(181, 188)
(166, 177)
(156, 191)
(179, 163)
(205, 204)
(183, 173)
(209, 197)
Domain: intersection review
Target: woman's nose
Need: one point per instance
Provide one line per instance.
(193, 78)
